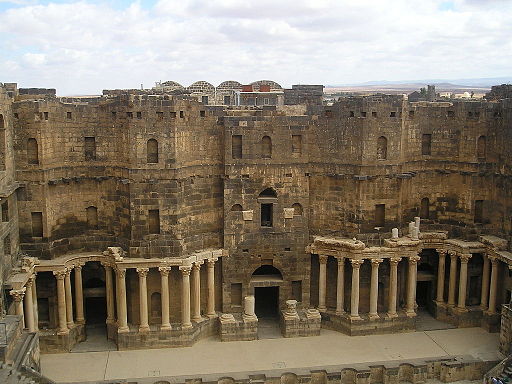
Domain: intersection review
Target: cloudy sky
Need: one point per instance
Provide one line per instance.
(82, 47)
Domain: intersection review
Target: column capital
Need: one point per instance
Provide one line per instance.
(414, 259)
(18, 294)
(494, 260)
(30, 282)
(453, 254)
(376, 262)
(185, 270)
(59, 275)
(196, 266)
(323, 259)
(394, 260)
(164, 271)
(68, 271)
(356, 263)
(211, 262)
(340, 259)
(464, 258)
(78, 267)
(441, 251)
(143, 272)
(121, 272)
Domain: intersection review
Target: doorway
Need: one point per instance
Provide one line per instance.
(423, 292)
(96, 310)
(267, 302)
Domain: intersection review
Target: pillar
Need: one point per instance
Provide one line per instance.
(340, 288)
(143, 299)
(210, 306)
(393, 286)
(440, 277)
(109, 286)
(494, 285)
(374, 289)
(453, 279)
(34, 302)
(249, 306)
(354, 302)
(61, 302)
(17, 295)
(185, 297)
(322, 282)
(122, 318)
(79, 296)
(484, 298)
(69, 299)
(463, 281)
(411, 286)
(196, 292)
(29, 308)
(164, 276)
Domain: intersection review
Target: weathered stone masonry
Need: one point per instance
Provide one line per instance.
(165, 209)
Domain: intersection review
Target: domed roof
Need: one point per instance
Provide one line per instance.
(201, 87)
(229, 85)
(172, 84)
(273, 85)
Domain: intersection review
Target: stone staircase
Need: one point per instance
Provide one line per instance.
(502, 372)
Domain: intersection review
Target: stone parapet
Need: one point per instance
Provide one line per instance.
(51, 342)
(237, 327)
(368, 326)
(470, 317)
(302, 323)
(506, 330)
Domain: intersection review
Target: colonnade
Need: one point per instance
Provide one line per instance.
(68, 314)
(374, 286)
(489, 281)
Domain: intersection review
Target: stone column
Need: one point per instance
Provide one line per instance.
(411, 286)
(440, 277)
(354, 302)
(340, 287)
(164, 276)
(17, 295)
(143, 299)
(29, 308)
(322, 282)
(79, 296)
(210, 306)
(249, 305)
(463, 281)
(453, 279)
(374, 289)
(393, 286)
(484, 298)
(34, 302)
(185, 297)
(69, 299)
(61, 302)
(122, 318)
(196, 292)
(109, 286)
(494, 285)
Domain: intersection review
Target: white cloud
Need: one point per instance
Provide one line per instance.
(83, 47)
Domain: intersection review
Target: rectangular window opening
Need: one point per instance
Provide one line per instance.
(154, 221)
(479, 211)
(204, 100)
(266, 215)
(139, 115)
(182, 114)
(90, 148)
(69, 115)
(227, 100)
(380, 215)
(426, 144)
(5, 211)
(37, 224)
(297, 144)
(160, 115)
(236, 146)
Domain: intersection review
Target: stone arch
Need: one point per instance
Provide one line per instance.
(152, 151)
(32, 151)
(382, 148)
(267, 270)
(297, 209)
(236, 208)
(268, 192)
(266, 147)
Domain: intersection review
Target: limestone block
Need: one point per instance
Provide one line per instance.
(247, 215)
(288, 213)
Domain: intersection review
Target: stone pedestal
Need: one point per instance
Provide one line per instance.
(300, 323)
(234, 327)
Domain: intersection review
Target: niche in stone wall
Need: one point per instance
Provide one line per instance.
(266, 147)
(154, 221)
(382, 148)
(3, 148)
(425, 208)
(380, 215)
(37, 224)
(90, 148)
(92, 217)
(152, 151)
(481, 148)
(479, 211)
(236, 146)
(32, 151)
(297, 144)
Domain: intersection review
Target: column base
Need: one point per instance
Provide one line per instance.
(197, 319)
(110, 321)
(373, 316)
(410, 314)
(62, 332)
(212, 315)
(355, 318)
(70, 325)
(322, 309)
(340, 313)
(186, 326)
(80, 321)
(390, 315)
(165, 327)
(123, 330)
(144, 328)
(461, 310)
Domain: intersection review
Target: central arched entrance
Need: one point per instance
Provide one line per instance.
(266, 281)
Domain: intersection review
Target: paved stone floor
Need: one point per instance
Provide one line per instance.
(212, 356)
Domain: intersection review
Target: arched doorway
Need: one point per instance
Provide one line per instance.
(95, 303)
(266, 281)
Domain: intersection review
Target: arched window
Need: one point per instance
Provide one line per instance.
(297, 209)
(236, 208)
(425, 208)
(92, 217)
(382, 148)
(266, 147)
(156, 304)
(32, 151)
(152, 151)
(480, 148)
(267, 198)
